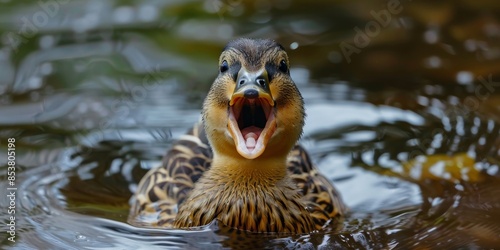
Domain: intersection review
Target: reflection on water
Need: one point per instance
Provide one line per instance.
(406, 125)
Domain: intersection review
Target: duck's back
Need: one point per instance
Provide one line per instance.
(162, 190)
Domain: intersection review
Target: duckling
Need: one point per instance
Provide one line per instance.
(241, 164)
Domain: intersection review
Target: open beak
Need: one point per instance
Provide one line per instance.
(251, 113)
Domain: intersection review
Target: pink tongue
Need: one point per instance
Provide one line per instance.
(251, 134)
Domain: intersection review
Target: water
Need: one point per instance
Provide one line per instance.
(405, 123)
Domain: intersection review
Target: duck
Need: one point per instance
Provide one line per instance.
(241, 164)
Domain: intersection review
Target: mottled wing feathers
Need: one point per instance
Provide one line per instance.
(163, 189)
(319, 195)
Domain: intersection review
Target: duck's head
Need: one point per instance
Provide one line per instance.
(253, 109)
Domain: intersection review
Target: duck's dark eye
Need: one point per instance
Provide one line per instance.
(224, 66)
(283, 67)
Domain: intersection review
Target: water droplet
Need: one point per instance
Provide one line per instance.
(46, 68)
(35, 82)
(492, 170)
(431, 36)
(470, 45)
(46, 42)
(79, 238)
(464, 77)
(433, 62)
